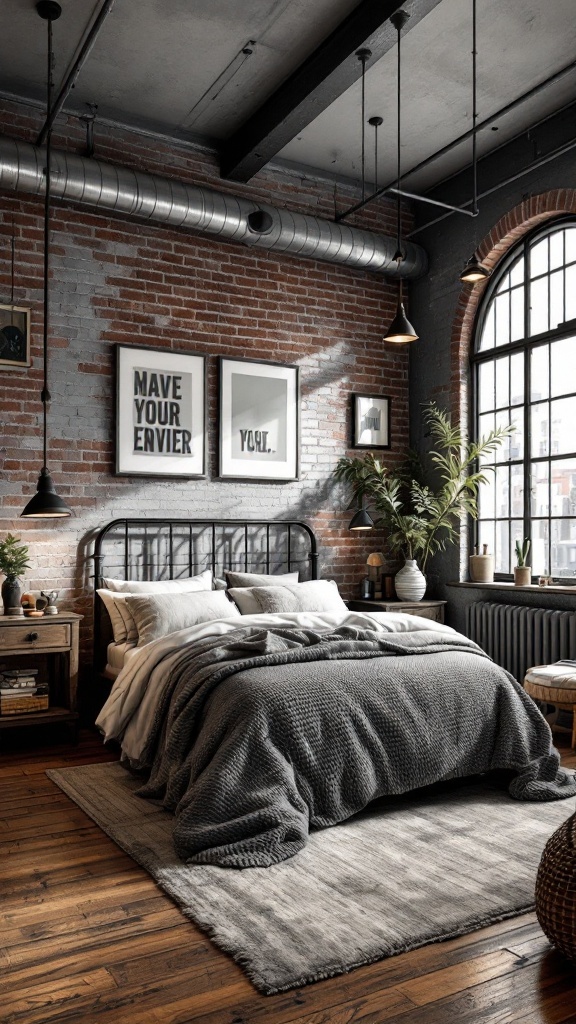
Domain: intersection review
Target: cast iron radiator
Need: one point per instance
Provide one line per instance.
(518, 637)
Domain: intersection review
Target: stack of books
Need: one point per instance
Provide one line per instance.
(21, 691)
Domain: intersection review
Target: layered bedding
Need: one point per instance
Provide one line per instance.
(253, 729)
(116, 657)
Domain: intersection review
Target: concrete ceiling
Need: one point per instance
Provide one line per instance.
(177, 67)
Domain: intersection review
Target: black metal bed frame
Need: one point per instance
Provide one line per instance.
(153, 549)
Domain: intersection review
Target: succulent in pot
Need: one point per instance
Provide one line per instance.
(522, 571)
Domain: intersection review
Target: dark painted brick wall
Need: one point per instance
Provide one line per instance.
(443, 312)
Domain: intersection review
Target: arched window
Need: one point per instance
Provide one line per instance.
(524, 371)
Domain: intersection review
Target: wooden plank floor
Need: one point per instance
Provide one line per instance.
(86, 936)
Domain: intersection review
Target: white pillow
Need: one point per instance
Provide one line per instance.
(157, 615)
(244, 598)
(203, 581)
(123, 625)
(255, 579)
(313, 596)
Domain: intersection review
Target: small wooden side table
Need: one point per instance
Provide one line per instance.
(425, 609)
(554, 684)
(56, 637)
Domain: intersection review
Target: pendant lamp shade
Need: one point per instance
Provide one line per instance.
(474, 271)
(361, 520)
(46, 504)
(400, 330)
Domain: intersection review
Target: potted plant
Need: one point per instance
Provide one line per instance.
(421, 519)
(522, 571)
(13, 563)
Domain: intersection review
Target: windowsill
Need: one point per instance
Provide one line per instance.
(530, 589)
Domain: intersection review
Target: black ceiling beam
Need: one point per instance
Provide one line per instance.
(321, 79)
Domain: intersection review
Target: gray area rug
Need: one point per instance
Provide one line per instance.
(406, 872)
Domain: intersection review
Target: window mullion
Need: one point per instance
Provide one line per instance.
(527, 398)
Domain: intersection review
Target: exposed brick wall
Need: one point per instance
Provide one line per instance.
(118, 280)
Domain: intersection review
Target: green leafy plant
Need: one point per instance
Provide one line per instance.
(522, 552)
(13, 557)
(420, 520)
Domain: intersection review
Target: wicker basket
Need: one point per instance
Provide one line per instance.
(556, 889)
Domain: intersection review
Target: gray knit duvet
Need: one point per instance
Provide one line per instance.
(262, 734)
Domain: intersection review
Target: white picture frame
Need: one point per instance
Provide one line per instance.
(259, 420)
(160, 412)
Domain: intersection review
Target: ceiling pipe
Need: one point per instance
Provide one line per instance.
(131, 193)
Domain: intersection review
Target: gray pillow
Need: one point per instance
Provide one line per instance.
(256, 579)
(156, 615)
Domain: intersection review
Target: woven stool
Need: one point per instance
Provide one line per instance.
(554, 684)
(556, 889)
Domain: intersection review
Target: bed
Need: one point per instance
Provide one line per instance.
(257, 719)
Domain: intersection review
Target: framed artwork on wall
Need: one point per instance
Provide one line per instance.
(370, 421)
(259, 420)
(160, 412)
(14, 335)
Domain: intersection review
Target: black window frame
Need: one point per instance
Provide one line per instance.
(525, 346)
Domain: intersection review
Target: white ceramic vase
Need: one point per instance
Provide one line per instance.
(409, 582)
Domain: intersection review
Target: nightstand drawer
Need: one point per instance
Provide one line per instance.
(424, 609)
(31, 634)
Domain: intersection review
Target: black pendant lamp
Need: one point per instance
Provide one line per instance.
(474, 270)
(46, 504)
(361, 520)
(400, 330)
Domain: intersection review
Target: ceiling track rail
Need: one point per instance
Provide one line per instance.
(502, 112)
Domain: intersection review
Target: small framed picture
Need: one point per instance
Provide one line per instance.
(14, 336)
(160, 412)
(259, 420)
(370, 421)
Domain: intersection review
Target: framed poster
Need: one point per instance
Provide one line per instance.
(160, 412)
(259, 420)
(14, 336)
(370, 421)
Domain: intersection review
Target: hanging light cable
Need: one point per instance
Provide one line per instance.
(363, 55)
(474, 270)
(375, 122)
(400, 330)
(46, 504)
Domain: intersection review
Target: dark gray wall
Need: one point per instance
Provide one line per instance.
(433, 304)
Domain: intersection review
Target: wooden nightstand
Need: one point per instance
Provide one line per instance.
(426, 609)
(56, 637)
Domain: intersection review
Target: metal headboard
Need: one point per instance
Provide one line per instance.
(157, 549)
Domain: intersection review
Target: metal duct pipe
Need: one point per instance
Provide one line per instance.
(164, 201)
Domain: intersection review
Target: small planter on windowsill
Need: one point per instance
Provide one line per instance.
(522, 575)
(522, 572)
